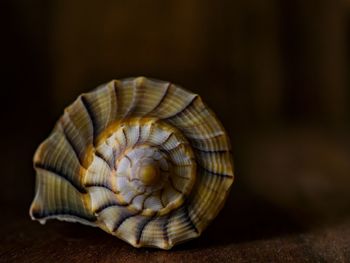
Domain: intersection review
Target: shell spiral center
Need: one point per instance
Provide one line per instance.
(147, 165)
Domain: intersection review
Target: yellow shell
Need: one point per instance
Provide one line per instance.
(144, 160)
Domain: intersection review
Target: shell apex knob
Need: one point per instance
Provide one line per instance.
(144, 160)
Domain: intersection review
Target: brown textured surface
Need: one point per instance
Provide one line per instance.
(228, 240)
(273, 221)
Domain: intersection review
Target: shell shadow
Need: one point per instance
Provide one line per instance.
(245, 217)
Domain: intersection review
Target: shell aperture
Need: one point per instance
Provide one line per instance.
(144, 160)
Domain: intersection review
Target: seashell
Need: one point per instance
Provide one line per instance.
(144, 160)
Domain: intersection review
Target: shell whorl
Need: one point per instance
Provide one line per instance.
(144, 160)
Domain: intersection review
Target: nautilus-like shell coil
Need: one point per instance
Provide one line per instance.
(144, 160)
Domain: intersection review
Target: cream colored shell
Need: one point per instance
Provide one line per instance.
(144, 160)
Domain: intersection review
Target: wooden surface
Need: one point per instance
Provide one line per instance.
(290, 203)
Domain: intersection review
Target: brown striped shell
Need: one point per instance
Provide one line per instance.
(144, 160)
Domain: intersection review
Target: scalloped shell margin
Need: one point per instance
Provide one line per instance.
(67, 158)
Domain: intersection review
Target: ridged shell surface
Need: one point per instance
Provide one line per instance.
(144, 160)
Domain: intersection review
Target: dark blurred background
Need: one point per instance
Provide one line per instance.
(275, 72)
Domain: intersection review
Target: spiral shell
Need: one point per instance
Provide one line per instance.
(144, 160)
